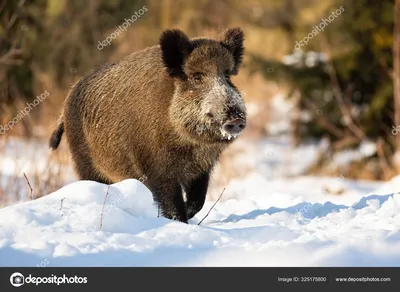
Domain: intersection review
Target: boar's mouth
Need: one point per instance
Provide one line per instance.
(217, 132)
(216, 128)
(233, 128)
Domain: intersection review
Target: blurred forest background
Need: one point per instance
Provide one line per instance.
(342, 89)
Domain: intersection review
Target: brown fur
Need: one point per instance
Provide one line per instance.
(139, 117)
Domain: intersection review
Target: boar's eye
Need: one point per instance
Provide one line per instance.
(198, 76)
(227, 75)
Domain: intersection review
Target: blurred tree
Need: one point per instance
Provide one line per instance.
(44, 44)
(345, 93)
(16, 80)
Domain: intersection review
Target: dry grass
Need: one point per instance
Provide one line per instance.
(30, 187)
(102, 210)
(27, 165)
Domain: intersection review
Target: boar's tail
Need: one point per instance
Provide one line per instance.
(55, 138)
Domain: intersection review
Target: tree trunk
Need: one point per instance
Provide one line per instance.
(396, 79)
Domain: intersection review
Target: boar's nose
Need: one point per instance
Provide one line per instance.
(234, 127)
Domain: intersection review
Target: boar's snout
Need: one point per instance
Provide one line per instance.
(235, 118)
(234, 127)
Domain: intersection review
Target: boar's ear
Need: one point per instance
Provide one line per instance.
(175, 47)
(232, 39)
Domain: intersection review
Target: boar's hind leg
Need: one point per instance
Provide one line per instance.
(170, 200)
(196, 192)
(84, 167)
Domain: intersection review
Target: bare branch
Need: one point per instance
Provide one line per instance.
(356, 130)
(337, 92)
(212, 207)
(14, 16)
(102, 211)
(29, 185)
(383, 160)
(10, 57)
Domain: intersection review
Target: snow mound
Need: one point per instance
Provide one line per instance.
(63, 229)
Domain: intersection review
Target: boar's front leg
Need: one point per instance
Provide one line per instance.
(170, 201)
(196, 191)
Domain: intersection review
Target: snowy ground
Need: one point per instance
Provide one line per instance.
(269, 215)
(282, 228)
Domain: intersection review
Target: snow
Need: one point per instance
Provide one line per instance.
(310, 58)
(19, 157)
(270, 214)
(281, 113)
(365, 149)
(273, 227)
(31, 157)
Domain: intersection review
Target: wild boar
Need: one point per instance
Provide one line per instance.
(166, 112)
